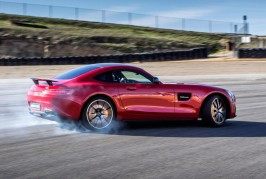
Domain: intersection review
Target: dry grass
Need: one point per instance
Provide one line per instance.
(121, 38)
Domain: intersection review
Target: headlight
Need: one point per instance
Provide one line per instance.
(232, 96)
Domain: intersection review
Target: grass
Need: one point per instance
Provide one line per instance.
(118, 38)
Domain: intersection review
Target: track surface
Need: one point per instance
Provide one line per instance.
(34, 148)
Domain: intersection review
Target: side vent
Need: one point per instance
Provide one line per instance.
(184, 96)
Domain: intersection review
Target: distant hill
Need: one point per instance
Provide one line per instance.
(34, 36)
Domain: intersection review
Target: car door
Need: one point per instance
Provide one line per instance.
(187, 103)
(143, 99)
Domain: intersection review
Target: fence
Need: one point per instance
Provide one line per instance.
(252, 53)
(195, 53)
(126, 18)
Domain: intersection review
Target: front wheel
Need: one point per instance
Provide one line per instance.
(99, 114)
(214, 111)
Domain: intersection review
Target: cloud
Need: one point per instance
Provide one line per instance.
(90, 15)
(167, 19)
(190, 13)
(128, 8)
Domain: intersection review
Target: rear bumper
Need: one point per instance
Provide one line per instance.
(53, 105)
(45, 103)
(44, 113)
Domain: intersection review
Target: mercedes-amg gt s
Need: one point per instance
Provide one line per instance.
(99, 94)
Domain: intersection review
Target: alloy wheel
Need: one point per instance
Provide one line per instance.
(99, 114)
(218, 111)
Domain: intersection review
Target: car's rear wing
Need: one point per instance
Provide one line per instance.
(48, 81)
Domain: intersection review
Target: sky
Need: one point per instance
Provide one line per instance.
(214, 10)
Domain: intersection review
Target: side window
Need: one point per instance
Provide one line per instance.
(133, 77)
(108, 77)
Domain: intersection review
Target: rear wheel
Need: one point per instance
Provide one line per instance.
(214, 111)
(99, 114)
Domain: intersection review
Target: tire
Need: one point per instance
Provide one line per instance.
(214, 111)
(99, 114)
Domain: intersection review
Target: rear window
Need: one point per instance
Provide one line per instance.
(76, 72)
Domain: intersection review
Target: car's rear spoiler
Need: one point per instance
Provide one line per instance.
(48, 81)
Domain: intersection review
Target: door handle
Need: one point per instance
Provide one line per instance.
(131, 88)
(164, 94)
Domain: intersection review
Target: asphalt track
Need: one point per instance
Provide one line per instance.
(31, 147)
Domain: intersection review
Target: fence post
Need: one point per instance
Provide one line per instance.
(156, 21)
(129, 18)
(77, 13)
(24, 9)
(235, 28)
(51, 11)
(183, 24)
(103, 15)
(210, 26)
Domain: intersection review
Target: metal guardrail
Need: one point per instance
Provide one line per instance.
(125, 18)
(251, 53)
(195, 53)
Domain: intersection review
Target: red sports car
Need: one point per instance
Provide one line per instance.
(99, 94)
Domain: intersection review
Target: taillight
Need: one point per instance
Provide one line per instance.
(56, 90)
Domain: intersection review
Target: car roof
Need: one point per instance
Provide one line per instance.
(107, 66)
(101, 65)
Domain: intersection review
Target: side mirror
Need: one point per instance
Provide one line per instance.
(156, 80)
